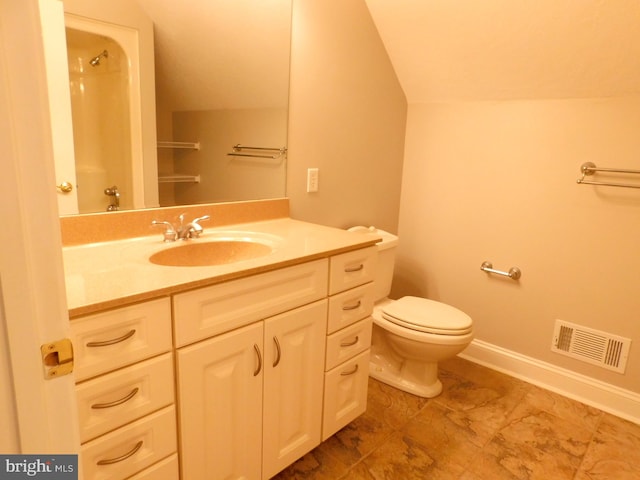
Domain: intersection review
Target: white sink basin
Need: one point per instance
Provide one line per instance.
(215, 249)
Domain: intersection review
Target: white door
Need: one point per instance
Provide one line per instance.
(42, 418)
(294, 345)
(220, 398)
(57, 74)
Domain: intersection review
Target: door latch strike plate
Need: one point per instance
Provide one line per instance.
(57, 358)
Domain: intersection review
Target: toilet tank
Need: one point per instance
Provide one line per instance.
(386, 259)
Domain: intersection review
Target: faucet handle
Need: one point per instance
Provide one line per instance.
(195, 229)
(170, 234)
(201, 219)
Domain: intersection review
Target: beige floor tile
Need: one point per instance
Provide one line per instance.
(470, 476)
(484, 426)
(503, 459)
(394, 406)
(358, 472)
(563, 440)
(466, 390)
(565, 408)
(401, 457)
(315, 465)
(613, 456)
(357, 439)
(624, 431)
(446, 438)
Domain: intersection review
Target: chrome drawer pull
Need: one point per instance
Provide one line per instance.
(111, 461)
(106, 343)
(349, 344)
(346, 308)
(257, 370)
(115, 403)
(345, 374)
(277, 360)
(354, 269)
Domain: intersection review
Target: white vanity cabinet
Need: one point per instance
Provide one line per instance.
(250, 396)
(348, 338)
(266, 367)
(125, 391)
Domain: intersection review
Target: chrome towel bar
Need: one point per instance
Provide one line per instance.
(237, 151)
(589, 168)
(514, 273)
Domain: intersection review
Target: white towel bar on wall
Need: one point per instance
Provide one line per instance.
(589, 168)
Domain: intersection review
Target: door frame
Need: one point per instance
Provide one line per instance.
(33, 301)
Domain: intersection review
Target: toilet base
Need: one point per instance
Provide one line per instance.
(412, 377)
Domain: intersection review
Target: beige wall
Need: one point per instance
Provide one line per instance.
(346, 117)
(497, 181)
(226, 178)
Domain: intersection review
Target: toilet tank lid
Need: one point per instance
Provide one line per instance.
(389, 240)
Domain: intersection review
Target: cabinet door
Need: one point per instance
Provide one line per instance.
(220, 402)
(293, 385)
(345, 394)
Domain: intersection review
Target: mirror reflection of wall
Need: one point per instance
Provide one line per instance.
(98, 79)
(222, 78)
(222, 177)
(218, 64)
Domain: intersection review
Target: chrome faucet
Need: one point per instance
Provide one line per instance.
(192, 229)
(114, 193)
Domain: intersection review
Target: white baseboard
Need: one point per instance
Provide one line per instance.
(609, 398)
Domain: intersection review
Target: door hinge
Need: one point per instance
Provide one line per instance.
(57, 358)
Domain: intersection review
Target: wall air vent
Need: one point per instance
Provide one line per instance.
(591, 346)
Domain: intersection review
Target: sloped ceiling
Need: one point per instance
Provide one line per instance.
(444, 50)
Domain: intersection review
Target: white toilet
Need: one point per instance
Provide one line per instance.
(411, 335)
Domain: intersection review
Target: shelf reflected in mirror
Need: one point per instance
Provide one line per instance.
(220, 69)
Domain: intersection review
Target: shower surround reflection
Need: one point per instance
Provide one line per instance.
(100, 102)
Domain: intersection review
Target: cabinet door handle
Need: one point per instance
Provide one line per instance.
(278, 352)
(105, 343)
(259, 355)
(111, 461)
(115, 403)
(354, 269)
(345, 374)
(349, 344)
(352, 307)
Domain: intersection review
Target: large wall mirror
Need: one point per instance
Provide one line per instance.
(219, 113)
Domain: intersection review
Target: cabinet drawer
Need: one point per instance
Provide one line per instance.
(351, 269)
(348, 342)
(113, 339)
(220, 308)
(345, 393)
(132, 448)
(166, 469)
(109, 401)
(348, 307)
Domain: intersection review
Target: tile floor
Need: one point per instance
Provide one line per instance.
(484, 426)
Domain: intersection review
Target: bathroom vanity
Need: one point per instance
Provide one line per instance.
(232, 370)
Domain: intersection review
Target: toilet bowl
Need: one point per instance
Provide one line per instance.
(412, 334)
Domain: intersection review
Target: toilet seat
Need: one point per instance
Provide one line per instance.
(429, 316)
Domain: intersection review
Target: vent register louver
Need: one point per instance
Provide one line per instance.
(591, 346)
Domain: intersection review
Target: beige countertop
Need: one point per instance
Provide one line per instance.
(111, 274)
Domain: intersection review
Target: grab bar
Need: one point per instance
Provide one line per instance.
(237, 149)
(589, 168)
(514, 273)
